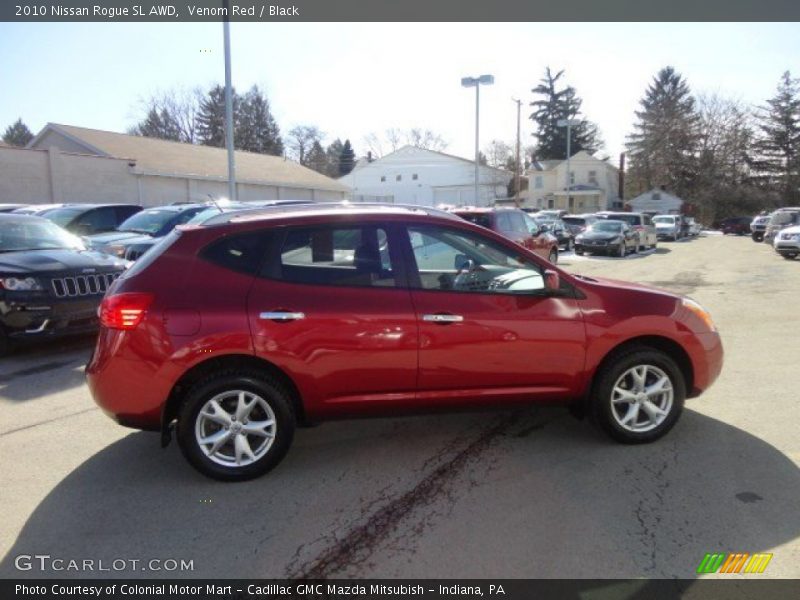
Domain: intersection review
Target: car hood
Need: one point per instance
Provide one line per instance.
(628, 285)
(599, 235)
(43, 261)
(792, 229)
(103, 239)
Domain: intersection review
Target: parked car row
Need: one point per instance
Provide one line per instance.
(781, 228)
(58, 260)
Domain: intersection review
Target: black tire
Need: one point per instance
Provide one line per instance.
(5, 344)
(579, 252)
(601, 407)
(789, 256)
(553, 257)
(252, 381)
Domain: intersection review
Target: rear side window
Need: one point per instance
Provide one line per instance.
(518, 222)
(337, 256)
(504, 222)
(242, 253)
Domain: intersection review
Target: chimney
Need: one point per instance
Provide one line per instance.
(621, 175)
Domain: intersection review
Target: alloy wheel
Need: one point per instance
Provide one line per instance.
(235, 428)
(642, 398)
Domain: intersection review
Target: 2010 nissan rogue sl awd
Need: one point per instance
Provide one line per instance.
(234, 332)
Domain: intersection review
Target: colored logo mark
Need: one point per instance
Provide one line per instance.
(735, 562)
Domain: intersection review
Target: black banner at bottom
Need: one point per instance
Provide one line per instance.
(390, 589)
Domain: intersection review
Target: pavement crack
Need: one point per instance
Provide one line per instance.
(46, 421)
(356, 545)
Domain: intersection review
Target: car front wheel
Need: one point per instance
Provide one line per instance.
(638, 396)
(236, 425)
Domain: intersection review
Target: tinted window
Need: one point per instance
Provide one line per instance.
(482, 219)
(62, 216)
(349, 256)
(123, 212)
(455, 260)
(242, 253)
(97, 220)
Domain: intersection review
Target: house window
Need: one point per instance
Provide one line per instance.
(572, 177)
(593, 177)
(551, 203)
(383, 178)
(538, 183)
(415, 177)
(399, 178)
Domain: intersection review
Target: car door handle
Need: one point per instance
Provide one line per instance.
(281, 315)
(442, 318)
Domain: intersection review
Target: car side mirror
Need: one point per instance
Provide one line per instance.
(461, 262)
(552, 281)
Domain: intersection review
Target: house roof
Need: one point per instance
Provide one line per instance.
(164, 157)
(409, 149)
(549, 164)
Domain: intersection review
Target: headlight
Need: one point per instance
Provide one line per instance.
(616, 240)
(115, 250)
(16, 284)
(699, 311)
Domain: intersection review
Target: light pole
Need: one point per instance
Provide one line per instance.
(226, 28)
(518, 165)
(476, 83)
(569, 124)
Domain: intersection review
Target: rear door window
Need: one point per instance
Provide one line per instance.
(337, 256)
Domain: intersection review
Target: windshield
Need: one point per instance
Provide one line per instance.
(665, 220)
(150, 222)
(62, 216)
(782, 218)
(608, 226)
(629, 219)
(18, 236)
(574, 220)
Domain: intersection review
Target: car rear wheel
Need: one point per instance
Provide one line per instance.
(553, 258)
(236, 425)
(638, 396)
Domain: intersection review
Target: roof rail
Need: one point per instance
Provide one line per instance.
(267, 211)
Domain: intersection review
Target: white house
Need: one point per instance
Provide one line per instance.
(593, 185)
(64, 163)
(656, 200)
(416, 176)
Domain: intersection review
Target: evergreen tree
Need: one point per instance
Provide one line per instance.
(777, 162)
(17, 134)
(662, 149)
(211, 117)
(317, 158)
(159, 124)
(334, 153)
(347, 159)
(555, 103)
(256, 129)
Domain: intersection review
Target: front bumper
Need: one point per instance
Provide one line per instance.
(31, 316)
(787, 247)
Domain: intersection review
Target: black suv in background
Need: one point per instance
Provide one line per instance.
(49, 283)
(88, 219)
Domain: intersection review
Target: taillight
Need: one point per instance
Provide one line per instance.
(124, 311)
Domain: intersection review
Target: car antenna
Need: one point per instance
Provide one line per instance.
(214, 202)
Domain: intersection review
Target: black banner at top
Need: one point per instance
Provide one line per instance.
(397, 10)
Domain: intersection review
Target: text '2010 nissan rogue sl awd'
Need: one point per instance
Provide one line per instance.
(234, 332)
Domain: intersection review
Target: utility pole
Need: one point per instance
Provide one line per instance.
(518, 163)
(226, 28)
(569, 124)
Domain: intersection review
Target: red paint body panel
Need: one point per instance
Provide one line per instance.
(367, 351)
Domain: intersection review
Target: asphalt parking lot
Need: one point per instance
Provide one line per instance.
(527, 494)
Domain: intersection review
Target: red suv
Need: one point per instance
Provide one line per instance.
(515, 224)
(236, 331)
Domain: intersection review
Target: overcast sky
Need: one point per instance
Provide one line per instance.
(353, 79)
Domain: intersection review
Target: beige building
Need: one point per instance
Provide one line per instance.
(593, 185)
(74, 164)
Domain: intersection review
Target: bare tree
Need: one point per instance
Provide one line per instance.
(177, 107)
(300, 141)
(499, 154)
(394, 138)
